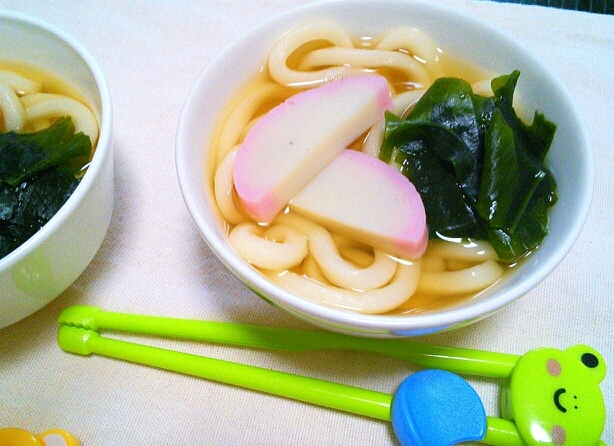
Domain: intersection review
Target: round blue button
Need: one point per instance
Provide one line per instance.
(437, 408)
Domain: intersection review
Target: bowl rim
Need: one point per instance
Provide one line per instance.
(395, 324)
(103, 145)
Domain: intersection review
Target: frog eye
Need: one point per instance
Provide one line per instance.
(591, 359)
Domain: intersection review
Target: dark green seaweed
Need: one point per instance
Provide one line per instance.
(479, 169)
(37, 176)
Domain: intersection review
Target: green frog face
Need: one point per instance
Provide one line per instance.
(554, 398)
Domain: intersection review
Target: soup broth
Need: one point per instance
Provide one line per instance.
(52, 85)
(39, 173)
(442, 277)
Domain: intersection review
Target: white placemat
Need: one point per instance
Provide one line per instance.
(153, 261)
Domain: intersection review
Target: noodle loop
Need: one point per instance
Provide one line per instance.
(244, 112)
(381, 300)
(300, 254)
(334, 267)
(224, 191)
(315, 31)
(361, 58)
(280, 250)
(417, 44)
(20, 84)
(471, 251)
(463, 281)
(47, 105)
(12, 111)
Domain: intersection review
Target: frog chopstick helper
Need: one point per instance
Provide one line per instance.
(550, 396)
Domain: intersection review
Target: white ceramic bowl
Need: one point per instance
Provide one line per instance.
(461, 35)
(50, 261)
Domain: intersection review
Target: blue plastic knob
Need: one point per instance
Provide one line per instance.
(437, 408)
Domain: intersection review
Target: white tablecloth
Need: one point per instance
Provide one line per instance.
(153, 261)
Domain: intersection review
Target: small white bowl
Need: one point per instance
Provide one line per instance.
(52, 259)
(474, 41)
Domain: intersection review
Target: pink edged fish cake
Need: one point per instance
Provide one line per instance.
(294, 141)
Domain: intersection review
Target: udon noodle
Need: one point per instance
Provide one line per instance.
(303, 256)
(25, 105)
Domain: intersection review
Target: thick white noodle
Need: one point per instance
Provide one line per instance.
(470, 280)
(366, 58)
(280, 250)
(433, 263)
(48, 105)
(301, 255)
(249, 126)
(244, 112)
(224, 190)
(317, 30)
(311, 269)
(13, 113)
(357, 256)
(380, 300)
(417, 44)
(344, 243)
(456, 265)
(334, 267)
(469, 251)
(21, 85)
(400, 104)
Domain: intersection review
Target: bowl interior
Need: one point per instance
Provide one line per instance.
(46, 264)
(36, 42)
(460, 35)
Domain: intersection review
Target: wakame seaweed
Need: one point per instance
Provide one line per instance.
(479, 169)
(37, 176)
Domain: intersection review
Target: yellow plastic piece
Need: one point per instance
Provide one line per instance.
(13, 436)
